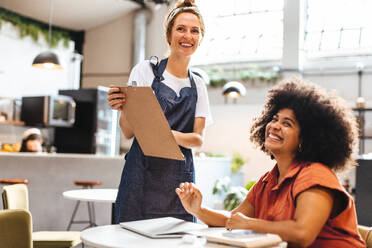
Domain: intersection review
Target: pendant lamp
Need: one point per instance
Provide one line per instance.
(48, 59)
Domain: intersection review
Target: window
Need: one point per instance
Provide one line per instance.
(240, 31)
(338, 28)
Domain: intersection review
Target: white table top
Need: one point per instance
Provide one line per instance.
(113, 236)
(92, 195)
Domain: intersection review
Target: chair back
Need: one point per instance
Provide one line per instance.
(15, 197)
(366, 233)
(15, 228)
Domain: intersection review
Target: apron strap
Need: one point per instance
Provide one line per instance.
(193, 85)
(158, 70)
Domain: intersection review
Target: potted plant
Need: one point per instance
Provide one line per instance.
(230, 196)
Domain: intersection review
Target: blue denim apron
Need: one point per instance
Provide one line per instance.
(147, 186)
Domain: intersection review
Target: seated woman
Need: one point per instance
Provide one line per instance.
(310, 134)
(32, 141)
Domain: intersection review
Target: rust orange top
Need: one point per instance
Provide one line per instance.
(276, 202)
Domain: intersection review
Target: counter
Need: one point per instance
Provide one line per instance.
(52, 174)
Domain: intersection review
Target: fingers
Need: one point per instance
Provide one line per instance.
(187, 187)
(228, 224)
(115, 98)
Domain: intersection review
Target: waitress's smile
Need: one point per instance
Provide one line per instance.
(186, 44)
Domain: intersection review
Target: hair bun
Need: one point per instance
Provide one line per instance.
(188, 3)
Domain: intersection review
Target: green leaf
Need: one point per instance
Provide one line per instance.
(250, 185)
(237, 162)
(33, 28)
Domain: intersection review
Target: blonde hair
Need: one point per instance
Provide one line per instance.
(188, 6)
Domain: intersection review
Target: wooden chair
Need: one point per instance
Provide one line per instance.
(16, 228)
(91, 211)
(366, 233)
(16, 197)
(10, 181)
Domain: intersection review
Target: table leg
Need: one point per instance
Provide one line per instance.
(113, 213)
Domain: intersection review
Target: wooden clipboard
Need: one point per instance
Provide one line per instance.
(150, 127)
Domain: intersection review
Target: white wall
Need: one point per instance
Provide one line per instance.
(107, 53)
(108, 49)
(19, 78)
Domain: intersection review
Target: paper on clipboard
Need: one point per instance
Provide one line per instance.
(150, 127)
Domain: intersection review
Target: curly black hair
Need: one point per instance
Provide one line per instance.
(328, 129)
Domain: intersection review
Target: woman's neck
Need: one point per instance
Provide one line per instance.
(178, 65)
(284, 162)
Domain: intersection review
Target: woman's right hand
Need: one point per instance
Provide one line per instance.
(115, 98)
(191, 197)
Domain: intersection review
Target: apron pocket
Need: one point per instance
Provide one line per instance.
(160, 185)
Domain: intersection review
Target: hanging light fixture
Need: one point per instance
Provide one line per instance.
(48, 59)
(233, 90)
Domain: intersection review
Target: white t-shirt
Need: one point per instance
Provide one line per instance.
(143, 75)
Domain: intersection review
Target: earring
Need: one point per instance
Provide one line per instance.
(299, 149)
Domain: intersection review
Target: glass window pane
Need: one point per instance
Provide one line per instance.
(244, 30)
(350, 39)
(313, 41)
(335, 17)
(330, 40)
(366, 38)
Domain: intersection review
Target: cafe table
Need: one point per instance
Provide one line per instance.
(114, 236)
(93, 195)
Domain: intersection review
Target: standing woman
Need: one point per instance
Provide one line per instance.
(147, 184)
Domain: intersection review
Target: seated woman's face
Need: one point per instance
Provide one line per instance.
(282, 133)
(34, 146)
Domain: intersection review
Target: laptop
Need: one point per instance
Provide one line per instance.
(166, 227)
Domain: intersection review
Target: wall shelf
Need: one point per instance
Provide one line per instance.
(19, 123)
(361, 122)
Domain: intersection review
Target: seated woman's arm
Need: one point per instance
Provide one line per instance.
(194, 139)
(313, 208)
(246, 208)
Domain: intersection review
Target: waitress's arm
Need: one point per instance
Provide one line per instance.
(194, 139)
(125, 126)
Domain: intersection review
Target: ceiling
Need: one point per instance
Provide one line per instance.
(72, 14)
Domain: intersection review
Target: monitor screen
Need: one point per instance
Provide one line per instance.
(60, 110)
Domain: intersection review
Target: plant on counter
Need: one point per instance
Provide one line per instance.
(32, 28)
(252, 74)
(237, 162)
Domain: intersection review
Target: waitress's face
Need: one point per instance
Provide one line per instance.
(185, 36)
(282, 133)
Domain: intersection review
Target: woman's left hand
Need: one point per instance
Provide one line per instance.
(237, 221)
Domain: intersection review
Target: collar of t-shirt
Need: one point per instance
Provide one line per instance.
(175, 83)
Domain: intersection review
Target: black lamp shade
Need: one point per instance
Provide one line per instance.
(47, 60)
(233, 90)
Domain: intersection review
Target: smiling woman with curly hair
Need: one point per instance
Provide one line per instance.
(328, 129)
(311, 134)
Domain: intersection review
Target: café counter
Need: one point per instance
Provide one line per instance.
(50, 175)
